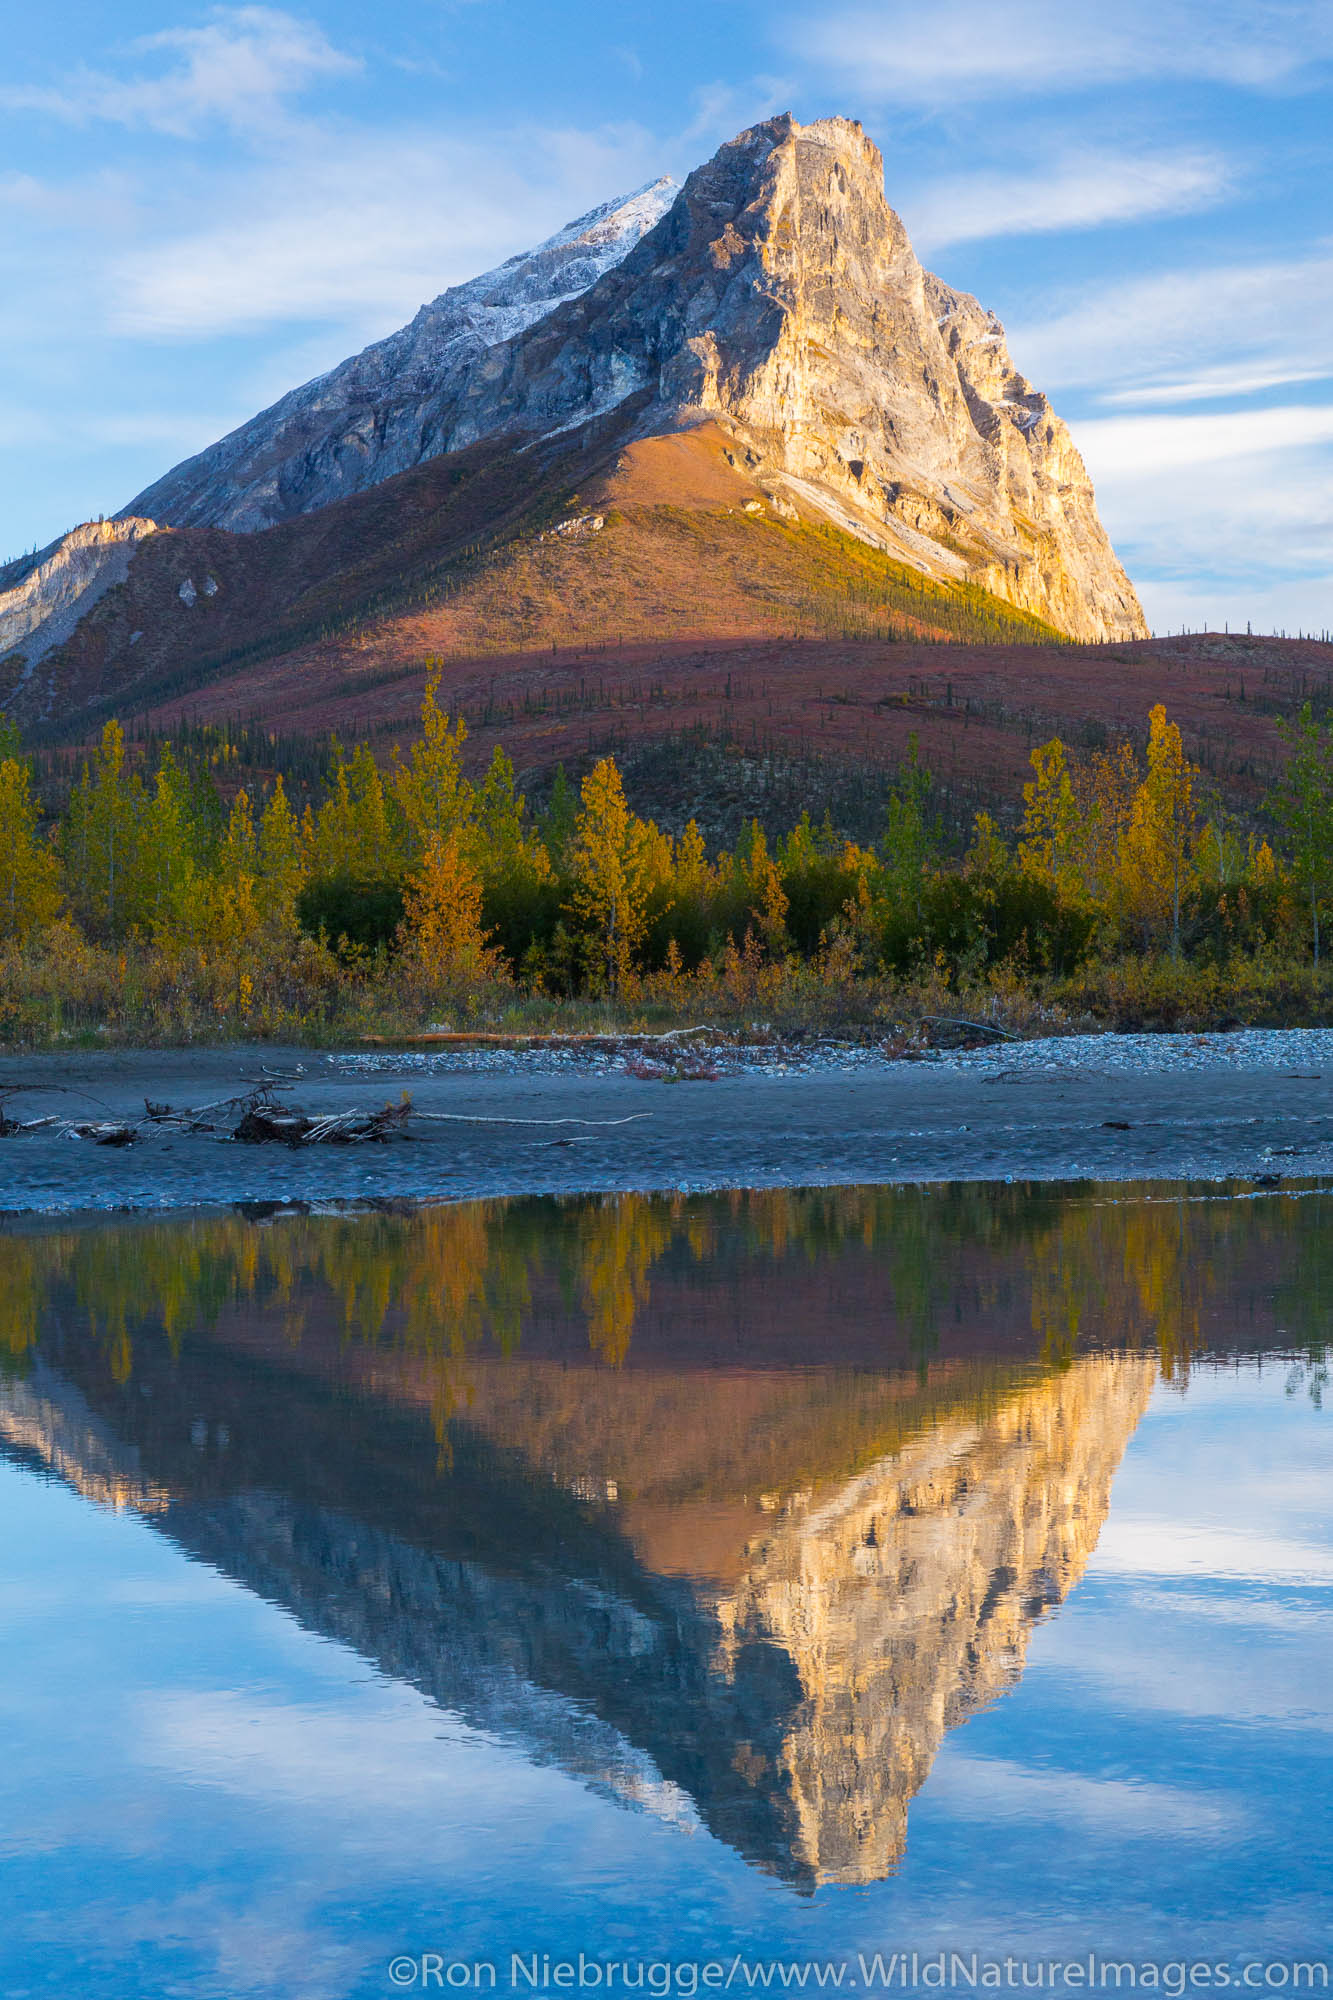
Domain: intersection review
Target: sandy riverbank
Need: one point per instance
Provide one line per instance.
(1188, 1108)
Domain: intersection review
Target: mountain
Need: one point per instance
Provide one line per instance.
(782, 423)
(793, 1703)
(376, 414)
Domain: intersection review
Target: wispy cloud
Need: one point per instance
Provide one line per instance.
(1271, 317)
(1158, 444)
(330, 235)
(897, 52)
(1211, 385)
(1150, 1546)
(1074, 191)
(1001, 1788)
(1221, 518)
(238, 70)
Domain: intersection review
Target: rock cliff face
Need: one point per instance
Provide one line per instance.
(906, 1598)
(373, 415)
(795, 1708)
(777, 296)
(43, 596)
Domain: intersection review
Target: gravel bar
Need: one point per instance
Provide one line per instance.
(1255, 1106)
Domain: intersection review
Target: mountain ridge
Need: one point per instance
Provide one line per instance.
(366, 415)
(769, 317)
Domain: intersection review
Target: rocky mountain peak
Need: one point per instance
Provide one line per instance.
(368, 418)
(777, 295)
(781, 297)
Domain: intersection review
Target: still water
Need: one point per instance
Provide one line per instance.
(725, 1589)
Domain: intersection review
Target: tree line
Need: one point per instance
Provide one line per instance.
(415, 879)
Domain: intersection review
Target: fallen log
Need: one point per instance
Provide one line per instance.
(104, 1132)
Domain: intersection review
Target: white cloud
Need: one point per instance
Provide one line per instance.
(998, 1788)
(898, 52)
(360, 232)
(1273, 318)
(1212, 385)
(1076, 191)
(1151, 1546)
(1226, 520)
(1120, 446)
(236, 70)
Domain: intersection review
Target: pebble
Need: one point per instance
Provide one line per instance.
(1308, 1050)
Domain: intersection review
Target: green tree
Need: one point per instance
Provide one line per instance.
(280, 857)
(1302, 803)
(163, 894)
(557, 823)
(433, 795)
(910, 836)
(101, 834)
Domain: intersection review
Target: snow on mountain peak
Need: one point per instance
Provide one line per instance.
(369, 417)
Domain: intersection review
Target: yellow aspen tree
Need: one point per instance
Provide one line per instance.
(441, 932)
(615, 859)
(432, 793)
(1049, 842)
(1106, 792)
(1158, 844)
(353, 833)
(29, 877)
(692, 873)
(767, 898)
(232, 910)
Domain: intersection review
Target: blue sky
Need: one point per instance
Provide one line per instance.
(201, 207)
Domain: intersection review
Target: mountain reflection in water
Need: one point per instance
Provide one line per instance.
(732, 1506)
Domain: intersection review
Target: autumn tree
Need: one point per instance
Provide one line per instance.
(441, 933)
(1157, 846)
(432, 794)
(1303, 805)
(759, 880)
(616, 861)
(354, 835)
(1050, 840)
(29, 879)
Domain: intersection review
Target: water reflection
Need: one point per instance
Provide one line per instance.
(732, 1506)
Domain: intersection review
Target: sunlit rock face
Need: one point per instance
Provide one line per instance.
(781, 297)
(45, 1420)
(43, 596)
(789, 1687)
(776, 295)
(905, 1599)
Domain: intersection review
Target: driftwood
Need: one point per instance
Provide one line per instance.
(491, 1039)
(481, 1118)
(980, 1027)
(257, 1116)
(103, 1132)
